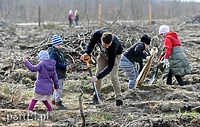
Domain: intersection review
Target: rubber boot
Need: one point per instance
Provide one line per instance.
(60, 105)
(95, 100)
(119, 102)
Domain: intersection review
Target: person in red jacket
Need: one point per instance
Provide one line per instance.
(175, 61)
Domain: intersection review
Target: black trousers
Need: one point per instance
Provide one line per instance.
(178, 78)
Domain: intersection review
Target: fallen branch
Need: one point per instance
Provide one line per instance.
(81, 110)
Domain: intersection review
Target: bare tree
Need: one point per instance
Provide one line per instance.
(57, 10)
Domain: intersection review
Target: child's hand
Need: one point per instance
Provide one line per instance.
(68, 67)
(24, 59)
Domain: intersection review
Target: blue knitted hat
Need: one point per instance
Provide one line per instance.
(43, 54)
(56, 39)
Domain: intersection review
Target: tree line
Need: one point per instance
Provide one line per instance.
(57, 10)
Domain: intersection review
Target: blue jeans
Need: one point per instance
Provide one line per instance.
(57, 95)
(76, 22)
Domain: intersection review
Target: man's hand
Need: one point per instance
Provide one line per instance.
(166, 63)
(93, 79)
(85, 55)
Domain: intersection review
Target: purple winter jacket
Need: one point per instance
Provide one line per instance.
(46, 76)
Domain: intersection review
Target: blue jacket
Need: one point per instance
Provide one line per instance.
(61, 62)
(46, 76)
(136, 54)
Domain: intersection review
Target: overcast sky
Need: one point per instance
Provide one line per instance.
(192, 0)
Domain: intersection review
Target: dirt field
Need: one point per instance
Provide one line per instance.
(156, 105)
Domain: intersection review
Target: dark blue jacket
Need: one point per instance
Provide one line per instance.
(61, 62)
(135, 53)
(114, 50)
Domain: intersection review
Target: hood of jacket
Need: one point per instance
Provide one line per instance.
(49, 64)
(172, 35)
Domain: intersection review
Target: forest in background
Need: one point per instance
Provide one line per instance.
(22, 11)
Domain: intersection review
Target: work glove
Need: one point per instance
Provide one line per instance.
(137, 66)
(165, 63)
(148, 57)
(154, 50)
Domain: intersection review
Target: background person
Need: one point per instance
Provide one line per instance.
(76, 17)
(107, 61)
(70, 18)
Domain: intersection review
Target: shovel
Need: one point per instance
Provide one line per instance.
(154, 76)
(86, 59)
(157, 66)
